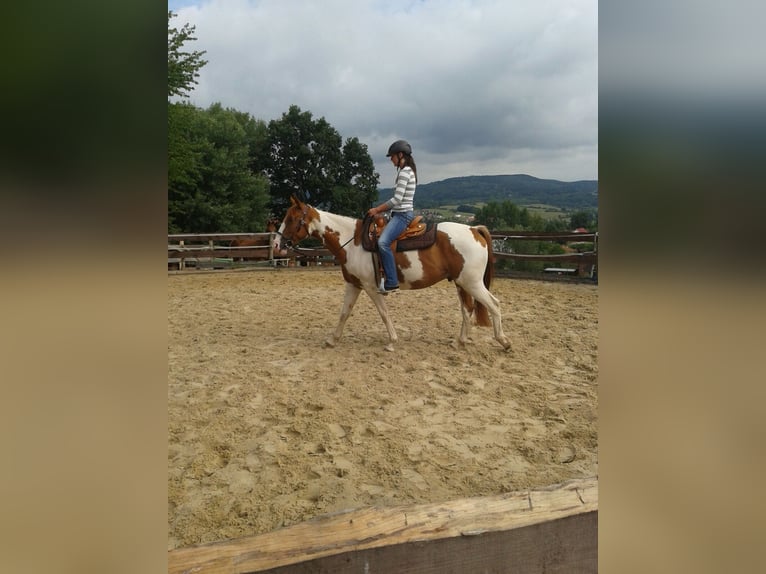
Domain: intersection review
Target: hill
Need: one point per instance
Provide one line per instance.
(520, 189)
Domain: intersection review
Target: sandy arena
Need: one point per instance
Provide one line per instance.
(267, 427)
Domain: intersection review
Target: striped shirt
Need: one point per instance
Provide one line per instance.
(404, 192)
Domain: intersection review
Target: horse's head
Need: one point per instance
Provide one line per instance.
(272, 224)
(295, 225)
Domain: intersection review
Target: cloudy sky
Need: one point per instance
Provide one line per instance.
(478, 87)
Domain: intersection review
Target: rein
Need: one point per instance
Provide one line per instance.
(347, 242)
(302, 223)
(289, 241)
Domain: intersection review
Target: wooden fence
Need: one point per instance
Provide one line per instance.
(213, 250)
(585, 263)
(547, 530)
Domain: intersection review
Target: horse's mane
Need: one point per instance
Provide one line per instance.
(348, 218)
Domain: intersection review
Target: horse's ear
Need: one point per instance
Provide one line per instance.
(294, 200)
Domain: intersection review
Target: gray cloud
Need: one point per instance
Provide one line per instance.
(477, 87)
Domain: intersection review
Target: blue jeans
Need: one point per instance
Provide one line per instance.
(398, 223)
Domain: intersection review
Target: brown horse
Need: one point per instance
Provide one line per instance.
(271, 226)
(461, 254)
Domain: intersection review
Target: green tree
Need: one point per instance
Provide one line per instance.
(211, 183)
(556, 226)
(510, 214)
(524, 219)
(186, 148)
(357, 189)
(183, 67)
(306, 159)
(581, 219)
(236, 196)
(500, 216)
(489, 215)
(536, 222)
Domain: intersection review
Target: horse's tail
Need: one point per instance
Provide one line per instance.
(481, 312)
(489, 271)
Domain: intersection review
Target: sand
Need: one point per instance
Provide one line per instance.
(268, 427)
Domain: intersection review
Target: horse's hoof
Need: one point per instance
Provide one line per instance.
(329, 343)
(389, 347)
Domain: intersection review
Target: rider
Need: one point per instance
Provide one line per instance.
(401, 206)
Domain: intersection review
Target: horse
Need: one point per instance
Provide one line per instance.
(271, 226)
(461, 253)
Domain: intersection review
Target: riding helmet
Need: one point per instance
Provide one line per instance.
(399, 145)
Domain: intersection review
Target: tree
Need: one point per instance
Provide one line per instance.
(306, 159)
(211, 184)
(580, 219)
(186, 146)
(536, 222)
(357, 189)
(510, 214)
(489, 215)
(183, 67)
(524, 218)
(555, 226)
(497, 216)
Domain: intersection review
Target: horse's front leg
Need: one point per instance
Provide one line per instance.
(349, 300)
(380, 305)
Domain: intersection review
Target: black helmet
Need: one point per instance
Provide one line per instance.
(397, 146)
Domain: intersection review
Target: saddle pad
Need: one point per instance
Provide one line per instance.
(370, 237)
(425, 239)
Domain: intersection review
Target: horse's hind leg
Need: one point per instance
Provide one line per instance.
(349, 300)
(492, 303)
(482, 295)
(466, 309)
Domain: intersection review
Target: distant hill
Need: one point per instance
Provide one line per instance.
(520, 189)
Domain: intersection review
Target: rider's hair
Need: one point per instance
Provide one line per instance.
(410, 162)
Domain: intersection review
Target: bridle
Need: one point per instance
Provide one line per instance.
(301, 223)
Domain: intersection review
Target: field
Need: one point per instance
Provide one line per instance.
(451, 213)
(268, 428)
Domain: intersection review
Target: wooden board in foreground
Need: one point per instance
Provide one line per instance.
(545, 530)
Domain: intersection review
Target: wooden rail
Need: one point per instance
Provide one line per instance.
(185, 248)
(587, 262)
(205, 249)
(545, 235)
(204, 237)
(544, 530)
(196, 247)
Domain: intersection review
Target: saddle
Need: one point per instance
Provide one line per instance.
(418, 235)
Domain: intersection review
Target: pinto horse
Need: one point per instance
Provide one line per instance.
(461, 253)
